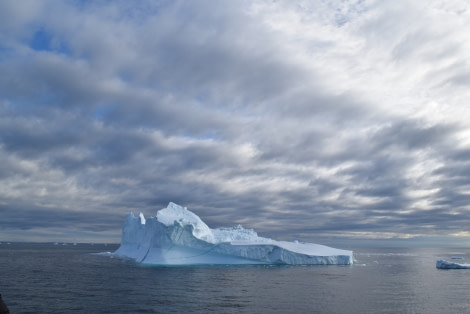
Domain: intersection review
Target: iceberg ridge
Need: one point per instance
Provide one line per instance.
(177, 236)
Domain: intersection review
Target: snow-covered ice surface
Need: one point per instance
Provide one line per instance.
(442, 264)
(177, 236)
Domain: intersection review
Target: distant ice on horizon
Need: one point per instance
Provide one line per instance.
(443, 264)
(177, 236)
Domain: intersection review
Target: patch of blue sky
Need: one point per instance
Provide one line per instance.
(24, 106)
(6, 52)
(209, 135)
(341, 19)
(125, 76)
(45, 41)
(81, 4)
(348, 12)
(102, 112)
(202, 98)
(42, 99)
(136, 11)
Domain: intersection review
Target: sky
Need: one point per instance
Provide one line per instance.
(327, 121)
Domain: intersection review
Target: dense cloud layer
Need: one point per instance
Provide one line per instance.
(301, 119)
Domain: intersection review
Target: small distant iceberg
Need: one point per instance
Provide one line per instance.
(443, 264)
(177, 236)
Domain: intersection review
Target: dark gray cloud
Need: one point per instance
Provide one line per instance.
(311, 121)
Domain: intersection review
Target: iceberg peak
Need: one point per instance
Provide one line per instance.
(176, 214)
(177, 236)
(142, 219)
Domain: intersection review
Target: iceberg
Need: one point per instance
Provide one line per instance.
(443, 264)
(177, 236)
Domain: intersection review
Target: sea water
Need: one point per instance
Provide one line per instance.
(48, 278)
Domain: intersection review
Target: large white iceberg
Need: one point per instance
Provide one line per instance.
(443, 264)
(176, 236)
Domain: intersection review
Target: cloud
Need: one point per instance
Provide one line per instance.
(298, 119)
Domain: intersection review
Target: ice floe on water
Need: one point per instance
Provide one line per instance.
(443, 264)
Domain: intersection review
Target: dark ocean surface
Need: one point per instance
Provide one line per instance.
(48, 278)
